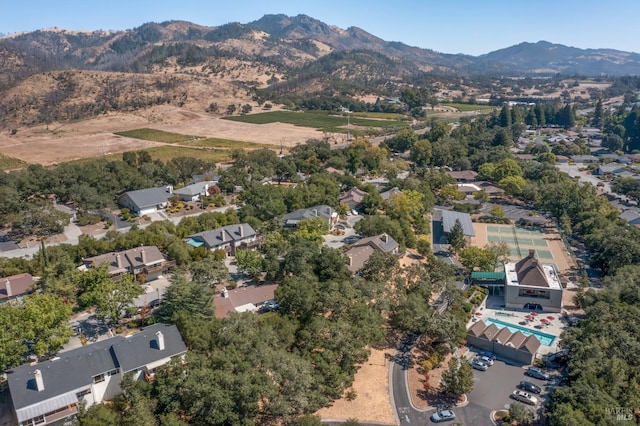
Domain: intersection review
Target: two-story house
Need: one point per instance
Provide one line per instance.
(52, 391)
(146, 260)
(228, 238)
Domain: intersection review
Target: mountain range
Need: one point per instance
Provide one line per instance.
(291, 41)
(56, 74)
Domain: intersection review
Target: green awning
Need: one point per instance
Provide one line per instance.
(487, 276)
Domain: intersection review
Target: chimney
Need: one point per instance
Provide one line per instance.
(240, 231)
(206, 189)
(143, 256)
(225, 293)
(223, 235)
(37, 375)
(170, 189)
(160, 337)
(532, 253)
(118, 260)
(350, 260)
(315, 212)
(385, 238)
(7, 285)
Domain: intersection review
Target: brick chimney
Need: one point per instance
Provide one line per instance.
(160, 340)
(8, 287)
(37, 375)
(143, 256)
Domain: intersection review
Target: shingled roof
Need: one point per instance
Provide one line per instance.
(530, 271)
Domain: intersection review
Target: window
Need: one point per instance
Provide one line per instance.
(83, 393)
(538, 294)
(99, 378)
(113, 372)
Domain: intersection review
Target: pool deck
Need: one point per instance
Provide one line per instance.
(555, 327)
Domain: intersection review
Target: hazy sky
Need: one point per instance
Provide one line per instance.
(449, 26)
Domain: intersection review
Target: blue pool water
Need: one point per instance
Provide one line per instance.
(545, 339)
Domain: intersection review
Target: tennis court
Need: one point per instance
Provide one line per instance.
(548, 247)
(519, 240)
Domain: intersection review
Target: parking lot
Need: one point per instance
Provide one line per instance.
(493, 388)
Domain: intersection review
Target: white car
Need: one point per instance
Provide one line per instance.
(443, 416)
(525, 397)
(486, 360)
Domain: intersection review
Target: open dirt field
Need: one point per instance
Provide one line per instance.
(57, 143)
(372, 401)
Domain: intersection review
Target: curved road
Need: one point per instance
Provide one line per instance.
(407, 414)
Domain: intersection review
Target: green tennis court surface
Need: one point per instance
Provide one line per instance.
(497, 229)
(520, 243)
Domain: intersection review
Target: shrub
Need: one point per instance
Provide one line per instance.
(426, 365)
(351, 394)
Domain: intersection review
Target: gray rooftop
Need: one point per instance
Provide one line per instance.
(76, 368)
(450, 217)
(323, 211)
(199, 188)
(149, 197)
(221, 236)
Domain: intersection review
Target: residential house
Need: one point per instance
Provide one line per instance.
(562, 159)
(247, 298)
(524, 157)
(631, 216)
(324, 212)
(386, 195)
(362, 250)
(503, 343)
(147, 260)
(228, 238)
(609, 169)
(212, 177)
(15, 287)
(469, 189)
(194, 191)
(463, 176)
(52, 392)
(532, 285)
(584, 159)
(146, 201)
(352, 198)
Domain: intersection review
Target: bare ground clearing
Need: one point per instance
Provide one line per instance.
(57, 143)
(372, 404)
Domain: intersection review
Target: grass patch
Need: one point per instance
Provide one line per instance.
(470, 107)
(382, 116)
(11, 163)
(157, 135)
(321, 120)
(166, 153)
(227, 143)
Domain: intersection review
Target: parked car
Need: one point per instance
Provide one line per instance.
(536, 373)
(529, 387)
(443, 416)
(490, 355)
(479, 365)
(486, 360)
(525, 397)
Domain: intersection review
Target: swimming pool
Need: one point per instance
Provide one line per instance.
(545, 339)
